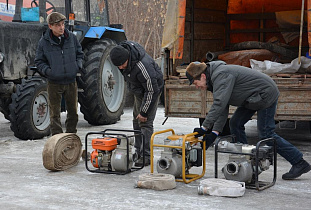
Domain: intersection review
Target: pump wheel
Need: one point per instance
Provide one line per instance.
(29, 110)
(103, 96)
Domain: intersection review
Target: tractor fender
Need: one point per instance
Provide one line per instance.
(100, 32)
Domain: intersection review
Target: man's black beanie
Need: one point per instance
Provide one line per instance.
(119, 55)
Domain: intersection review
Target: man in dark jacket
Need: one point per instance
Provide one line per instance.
(145, 80)
(250, 91)
(59, 57)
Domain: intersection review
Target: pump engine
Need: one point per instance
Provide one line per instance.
(112, 153)
(241, 167)
(171, 158)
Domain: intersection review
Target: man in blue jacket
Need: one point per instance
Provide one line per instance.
(145, 80)
(59, 58)
(250, 91)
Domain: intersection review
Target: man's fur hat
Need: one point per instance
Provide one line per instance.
(194, 71)
(55, 17)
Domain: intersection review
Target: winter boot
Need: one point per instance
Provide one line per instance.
(139, 162)
(297, 170)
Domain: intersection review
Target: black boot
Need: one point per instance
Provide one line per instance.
(139, 162)
(297, 170)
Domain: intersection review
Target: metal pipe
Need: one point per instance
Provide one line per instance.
(87, 9)
(192, 33)
(309, 25)
(17, 15)
(68, 8)
(301, 27)
(108, 19)
(42, 6)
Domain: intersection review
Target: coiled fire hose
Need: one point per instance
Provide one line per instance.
(221, 187)
(155, 181)
(62, 151)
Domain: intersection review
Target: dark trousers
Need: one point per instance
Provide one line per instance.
(146, 128)
(70, 93)
(266, 129)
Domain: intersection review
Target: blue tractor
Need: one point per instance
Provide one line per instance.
(23, 93)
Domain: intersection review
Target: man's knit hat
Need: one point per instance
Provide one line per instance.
(119, 55)
(194, 71)
(55, 17)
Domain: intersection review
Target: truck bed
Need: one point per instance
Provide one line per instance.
(294, 102)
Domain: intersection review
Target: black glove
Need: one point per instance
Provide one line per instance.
(209, 139)
(200, 132)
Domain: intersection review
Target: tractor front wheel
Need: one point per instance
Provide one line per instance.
(29, 110)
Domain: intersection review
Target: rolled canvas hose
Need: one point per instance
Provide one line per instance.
(221, 187)
(62, 151)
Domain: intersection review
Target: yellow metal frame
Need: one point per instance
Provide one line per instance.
(186, 178)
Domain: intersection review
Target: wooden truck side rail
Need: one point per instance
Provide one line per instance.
(294, 103)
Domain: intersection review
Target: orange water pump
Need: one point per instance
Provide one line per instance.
(113, 151)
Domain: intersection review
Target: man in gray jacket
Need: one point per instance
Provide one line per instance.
(59, 58)
(250, 91)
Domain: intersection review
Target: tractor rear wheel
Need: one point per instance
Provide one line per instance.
(103, 97)
(29, 110)
(4, 107)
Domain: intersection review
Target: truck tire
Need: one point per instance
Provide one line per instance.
(103, 96)
(29, 110)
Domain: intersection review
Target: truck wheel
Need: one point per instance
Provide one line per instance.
(103, 96)
(29, 110)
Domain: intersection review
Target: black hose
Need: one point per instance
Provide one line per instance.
(211, 56)
(265, 45)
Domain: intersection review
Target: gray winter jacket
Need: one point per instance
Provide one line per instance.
(144, 77)
(237, 86)
(59, 64)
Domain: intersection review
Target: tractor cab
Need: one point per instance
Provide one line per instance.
(23, 92)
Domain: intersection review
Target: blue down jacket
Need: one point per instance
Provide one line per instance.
(59, 64)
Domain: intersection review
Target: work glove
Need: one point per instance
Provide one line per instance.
(209, 139)
(201, 131)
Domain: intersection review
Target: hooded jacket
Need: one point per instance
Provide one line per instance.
(59, 63)
(237, 86)
(144, 77)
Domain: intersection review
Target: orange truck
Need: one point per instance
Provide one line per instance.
(236, 31)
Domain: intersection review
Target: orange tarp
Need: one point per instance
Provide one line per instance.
(174, 28)
(262, 6)
(173, 35)
(258, 6)
(309, 24)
